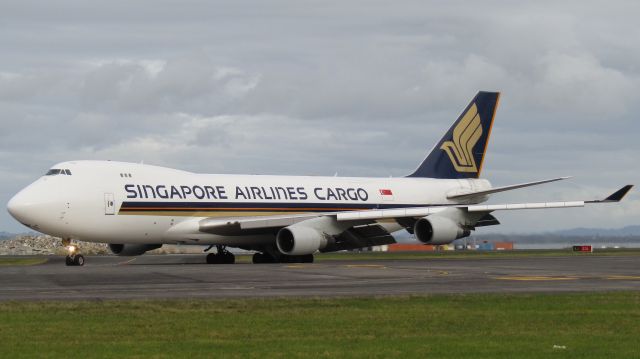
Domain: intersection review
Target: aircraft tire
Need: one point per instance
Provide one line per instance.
(228, 258)
(78, 260)
(261, 258)
(213, 258)
(69, 261)
(221, 258)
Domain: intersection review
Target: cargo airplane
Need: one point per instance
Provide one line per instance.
(136, 208)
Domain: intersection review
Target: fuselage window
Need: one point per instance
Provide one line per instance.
(57, 171)
(53, 172)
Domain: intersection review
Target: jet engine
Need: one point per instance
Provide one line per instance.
(131, 249)
(300, 240)
(438, 230)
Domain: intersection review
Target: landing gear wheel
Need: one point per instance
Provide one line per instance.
(260, 258)
(228, 258)
(222, 257)
(74, 260)
(212, 258)
(78, 260)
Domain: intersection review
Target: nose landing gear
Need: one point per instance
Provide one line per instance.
(73, 258)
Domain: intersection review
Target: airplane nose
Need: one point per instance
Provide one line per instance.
(17, 207)
(37, 208)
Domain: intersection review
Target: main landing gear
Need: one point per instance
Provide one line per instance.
(73, 258)
(222, 256)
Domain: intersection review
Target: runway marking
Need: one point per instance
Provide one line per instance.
(535, 278)
(237, 288)
(365, 266)
(549, 278)
(296, 266)
(126, 262)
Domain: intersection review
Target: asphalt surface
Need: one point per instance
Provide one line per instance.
(186, 276)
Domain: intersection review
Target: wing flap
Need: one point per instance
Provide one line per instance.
(520, 206)
(390, 213)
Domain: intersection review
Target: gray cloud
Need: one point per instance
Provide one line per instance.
(358, 88)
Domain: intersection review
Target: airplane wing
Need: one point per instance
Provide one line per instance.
(472, 194)
(357, 229)
(425, 211)
(244, 225)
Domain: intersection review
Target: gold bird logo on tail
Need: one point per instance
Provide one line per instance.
(465, 136)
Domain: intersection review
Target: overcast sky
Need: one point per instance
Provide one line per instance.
(361, 88)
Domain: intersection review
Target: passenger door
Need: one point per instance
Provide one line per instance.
(109, 204)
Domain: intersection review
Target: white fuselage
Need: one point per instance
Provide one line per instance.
(116, 202)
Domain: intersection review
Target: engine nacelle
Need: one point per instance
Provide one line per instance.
(438, 230)
(300, 240)
(131, 249)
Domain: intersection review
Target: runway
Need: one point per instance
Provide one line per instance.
(186, 276)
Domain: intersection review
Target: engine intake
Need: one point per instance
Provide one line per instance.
(438, 230)
(131, 249)
(300, 240)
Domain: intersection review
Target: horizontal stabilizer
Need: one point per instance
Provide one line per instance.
(502, 189)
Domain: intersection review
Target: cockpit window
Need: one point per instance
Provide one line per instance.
(57, 171)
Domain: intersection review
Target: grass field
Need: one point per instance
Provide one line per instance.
(591, 325)
(28, 261)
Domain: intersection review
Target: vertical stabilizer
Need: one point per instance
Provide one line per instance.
(460, 153)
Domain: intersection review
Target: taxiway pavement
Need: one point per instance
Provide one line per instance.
(187, 276)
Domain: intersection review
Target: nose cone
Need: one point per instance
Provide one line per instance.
(18, 207)
(40, 207)
(33, 206)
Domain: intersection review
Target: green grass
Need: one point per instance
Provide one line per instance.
(29, 261)
(592, 325)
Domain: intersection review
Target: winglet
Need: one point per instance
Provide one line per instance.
(617, 196)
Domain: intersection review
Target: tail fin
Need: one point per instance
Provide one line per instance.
(460, 153)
